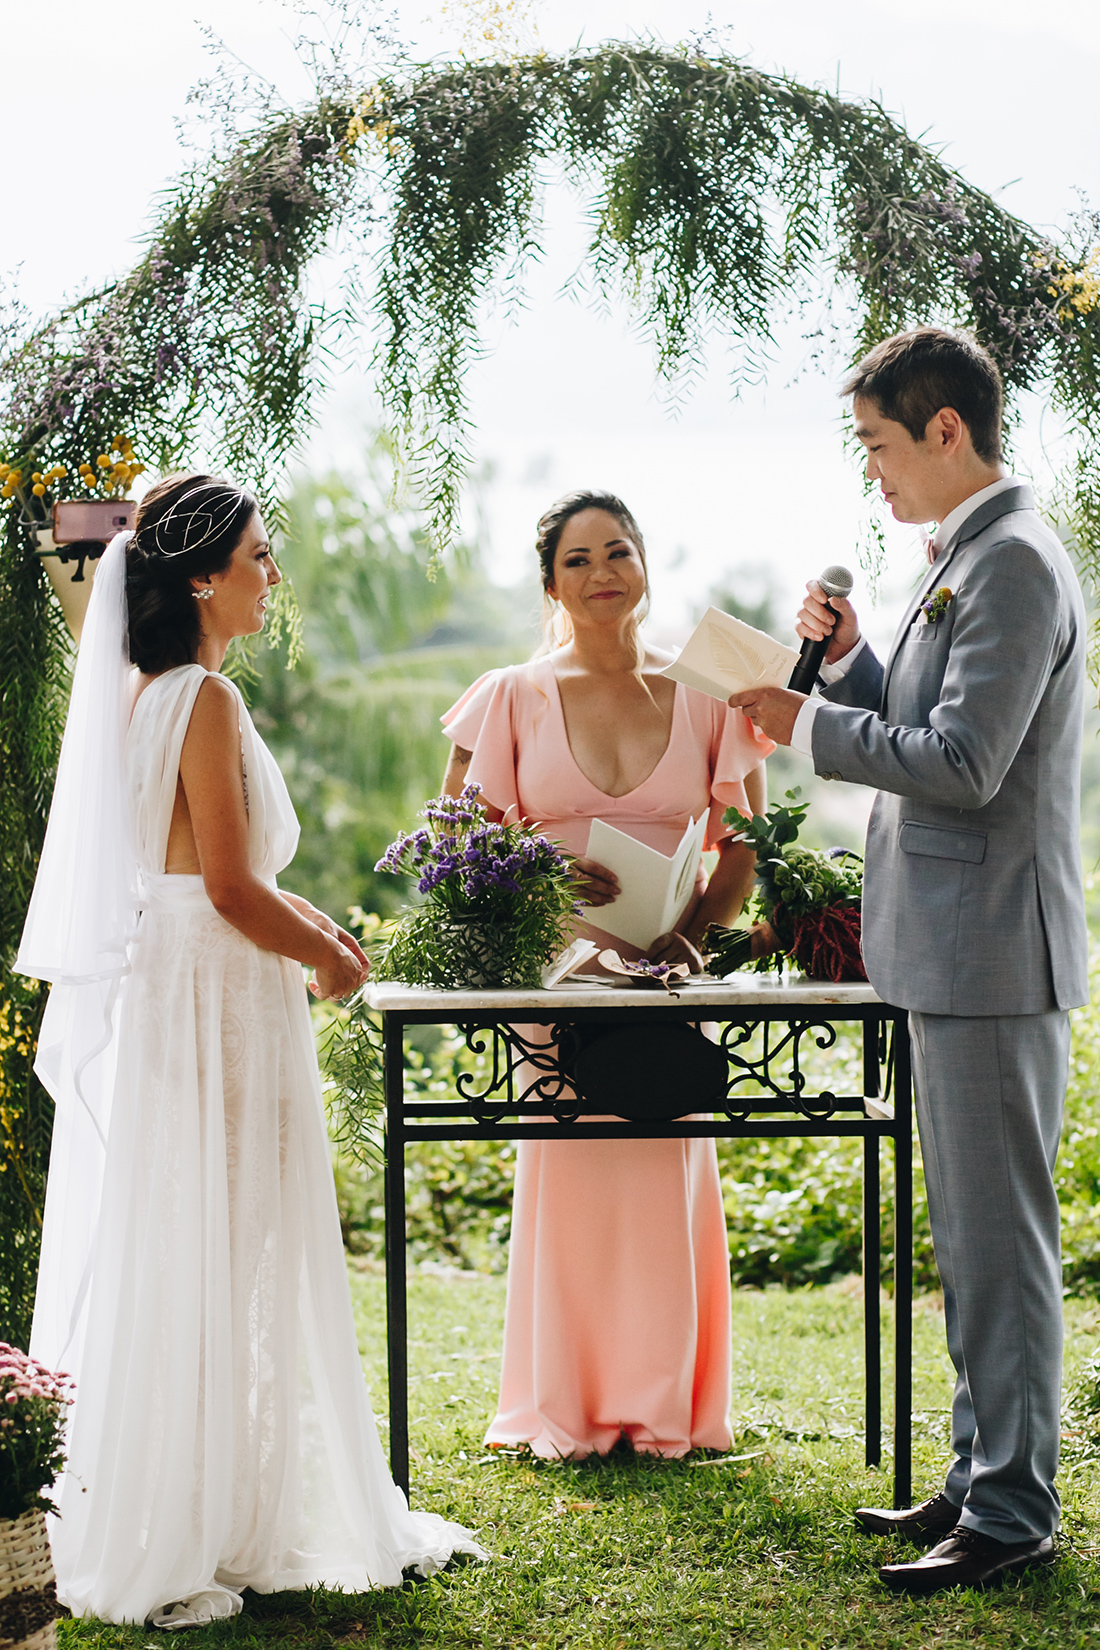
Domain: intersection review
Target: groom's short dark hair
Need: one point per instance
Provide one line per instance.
(911, 376)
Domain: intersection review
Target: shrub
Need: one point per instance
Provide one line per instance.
(32, 1431)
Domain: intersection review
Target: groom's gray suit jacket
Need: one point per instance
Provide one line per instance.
(971, 733)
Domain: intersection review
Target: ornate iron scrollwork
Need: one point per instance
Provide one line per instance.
(550, 1085)
(769, 1077)
(781, 1045)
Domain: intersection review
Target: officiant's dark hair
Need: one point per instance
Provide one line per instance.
(913, 375)
(185, 526)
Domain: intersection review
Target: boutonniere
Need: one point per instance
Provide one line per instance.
(937, 604)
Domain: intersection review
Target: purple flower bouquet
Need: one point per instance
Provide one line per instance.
(499, 900)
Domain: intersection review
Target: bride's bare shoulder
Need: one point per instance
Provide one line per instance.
(216, 715)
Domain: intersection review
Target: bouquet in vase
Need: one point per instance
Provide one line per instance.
(499, 900)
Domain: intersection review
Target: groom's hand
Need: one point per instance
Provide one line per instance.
(772, 709)
(838, 621)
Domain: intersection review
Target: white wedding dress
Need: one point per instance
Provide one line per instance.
(222, 1436)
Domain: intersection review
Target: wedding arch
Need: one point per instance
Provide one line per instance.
(720, 199)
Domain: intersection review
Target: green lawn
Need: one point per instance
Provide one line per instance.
(759, 1551)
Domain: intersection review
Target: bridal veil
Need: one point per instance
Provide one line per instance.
(77, 933)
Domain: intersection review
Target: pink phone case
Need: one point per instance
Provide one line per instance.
(98, 519)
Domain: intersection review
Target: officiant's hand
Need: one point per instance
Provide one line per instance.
(772, 709)
(838, 622)
(675, 948)
(596, 885)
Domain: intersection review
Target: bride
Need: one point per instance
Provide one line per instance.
(192, 1276)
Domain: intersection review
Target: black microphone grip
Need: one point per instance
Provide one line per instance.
(835, 581)
(810, 659)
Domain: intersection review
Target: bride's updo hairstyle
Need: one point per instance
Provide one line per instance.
(185, 526)
(556, 628)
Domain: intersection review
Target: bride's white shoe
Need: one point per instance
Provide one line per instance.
(212, 1604)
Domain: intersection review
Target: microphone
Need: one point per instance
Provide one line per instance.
(835, 581)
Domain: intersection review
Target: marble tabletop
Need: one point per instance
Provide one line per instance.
(741, 991)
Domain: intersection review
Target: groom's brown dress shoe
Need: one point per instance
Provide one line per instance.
(931, 1521)
(967, 1559)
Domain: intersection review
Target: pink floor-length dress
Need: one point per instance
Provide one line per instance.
(618, 1311)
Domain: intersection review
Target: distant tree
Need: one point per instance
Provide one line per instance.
(750, 592)
(355, 727)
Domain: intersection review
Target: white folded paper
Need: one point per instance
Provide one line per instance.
(655, 888)
(723, 655)
(566, 962)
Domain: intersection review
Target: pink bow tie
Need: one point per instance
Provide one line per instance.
(931, 549)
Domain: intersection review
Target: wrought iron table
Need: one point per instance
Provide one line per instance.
(768, 1028)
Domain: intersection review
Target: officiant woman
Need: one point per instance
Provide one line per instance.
(618, 1312)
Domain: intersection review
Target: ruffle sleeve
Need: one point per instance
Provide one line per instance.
(737, 746)
(483, 721)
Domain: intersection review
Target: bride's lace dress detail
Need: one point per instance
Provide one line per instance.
(222, 1436)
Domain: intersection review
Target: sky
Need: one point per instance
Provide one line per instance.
(564, 397)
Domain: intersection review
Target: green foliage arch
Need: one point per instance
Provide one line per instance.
(719, 199)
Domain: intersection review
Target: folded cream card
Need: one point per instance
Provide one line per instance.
(655, 888)
(568, 961)
(723, 655)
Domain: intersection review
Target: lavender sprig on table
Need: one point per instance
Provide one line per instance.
(644, 972)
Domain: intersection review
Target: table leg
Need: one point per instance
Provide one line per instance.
(872, 1227)
(393, 1077)
(903, 1266)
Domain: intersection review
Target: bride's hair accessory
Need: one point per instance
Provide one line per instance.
(179, 531)
(203, 595)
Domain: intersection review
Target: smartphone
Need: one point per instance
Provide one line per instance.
(98, 519)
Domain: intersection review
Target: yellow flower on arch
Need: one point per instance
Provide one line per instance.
(1080, 285)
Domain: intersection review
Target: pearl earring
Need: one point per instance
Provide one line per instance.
(203, 595)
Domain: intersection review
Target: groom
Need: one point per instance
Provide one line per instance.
(973, 913)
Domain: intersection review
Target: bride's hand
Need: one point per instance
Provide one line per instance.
(596, 885)
(327, 926)
(345, 973)
(350, 943)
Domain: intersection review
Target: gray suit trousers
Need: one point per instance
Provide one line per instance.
(989, 1098)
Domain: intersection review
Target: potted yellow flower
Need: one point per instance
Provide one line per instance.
(73, 530)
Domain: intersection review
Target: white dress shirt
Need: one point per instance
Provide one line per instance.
(948, 529)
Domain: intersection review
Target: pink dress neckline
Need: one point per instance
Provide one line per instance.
(653, 772)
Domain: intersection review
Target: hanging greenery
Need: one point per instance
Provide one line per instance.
(719, 199)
